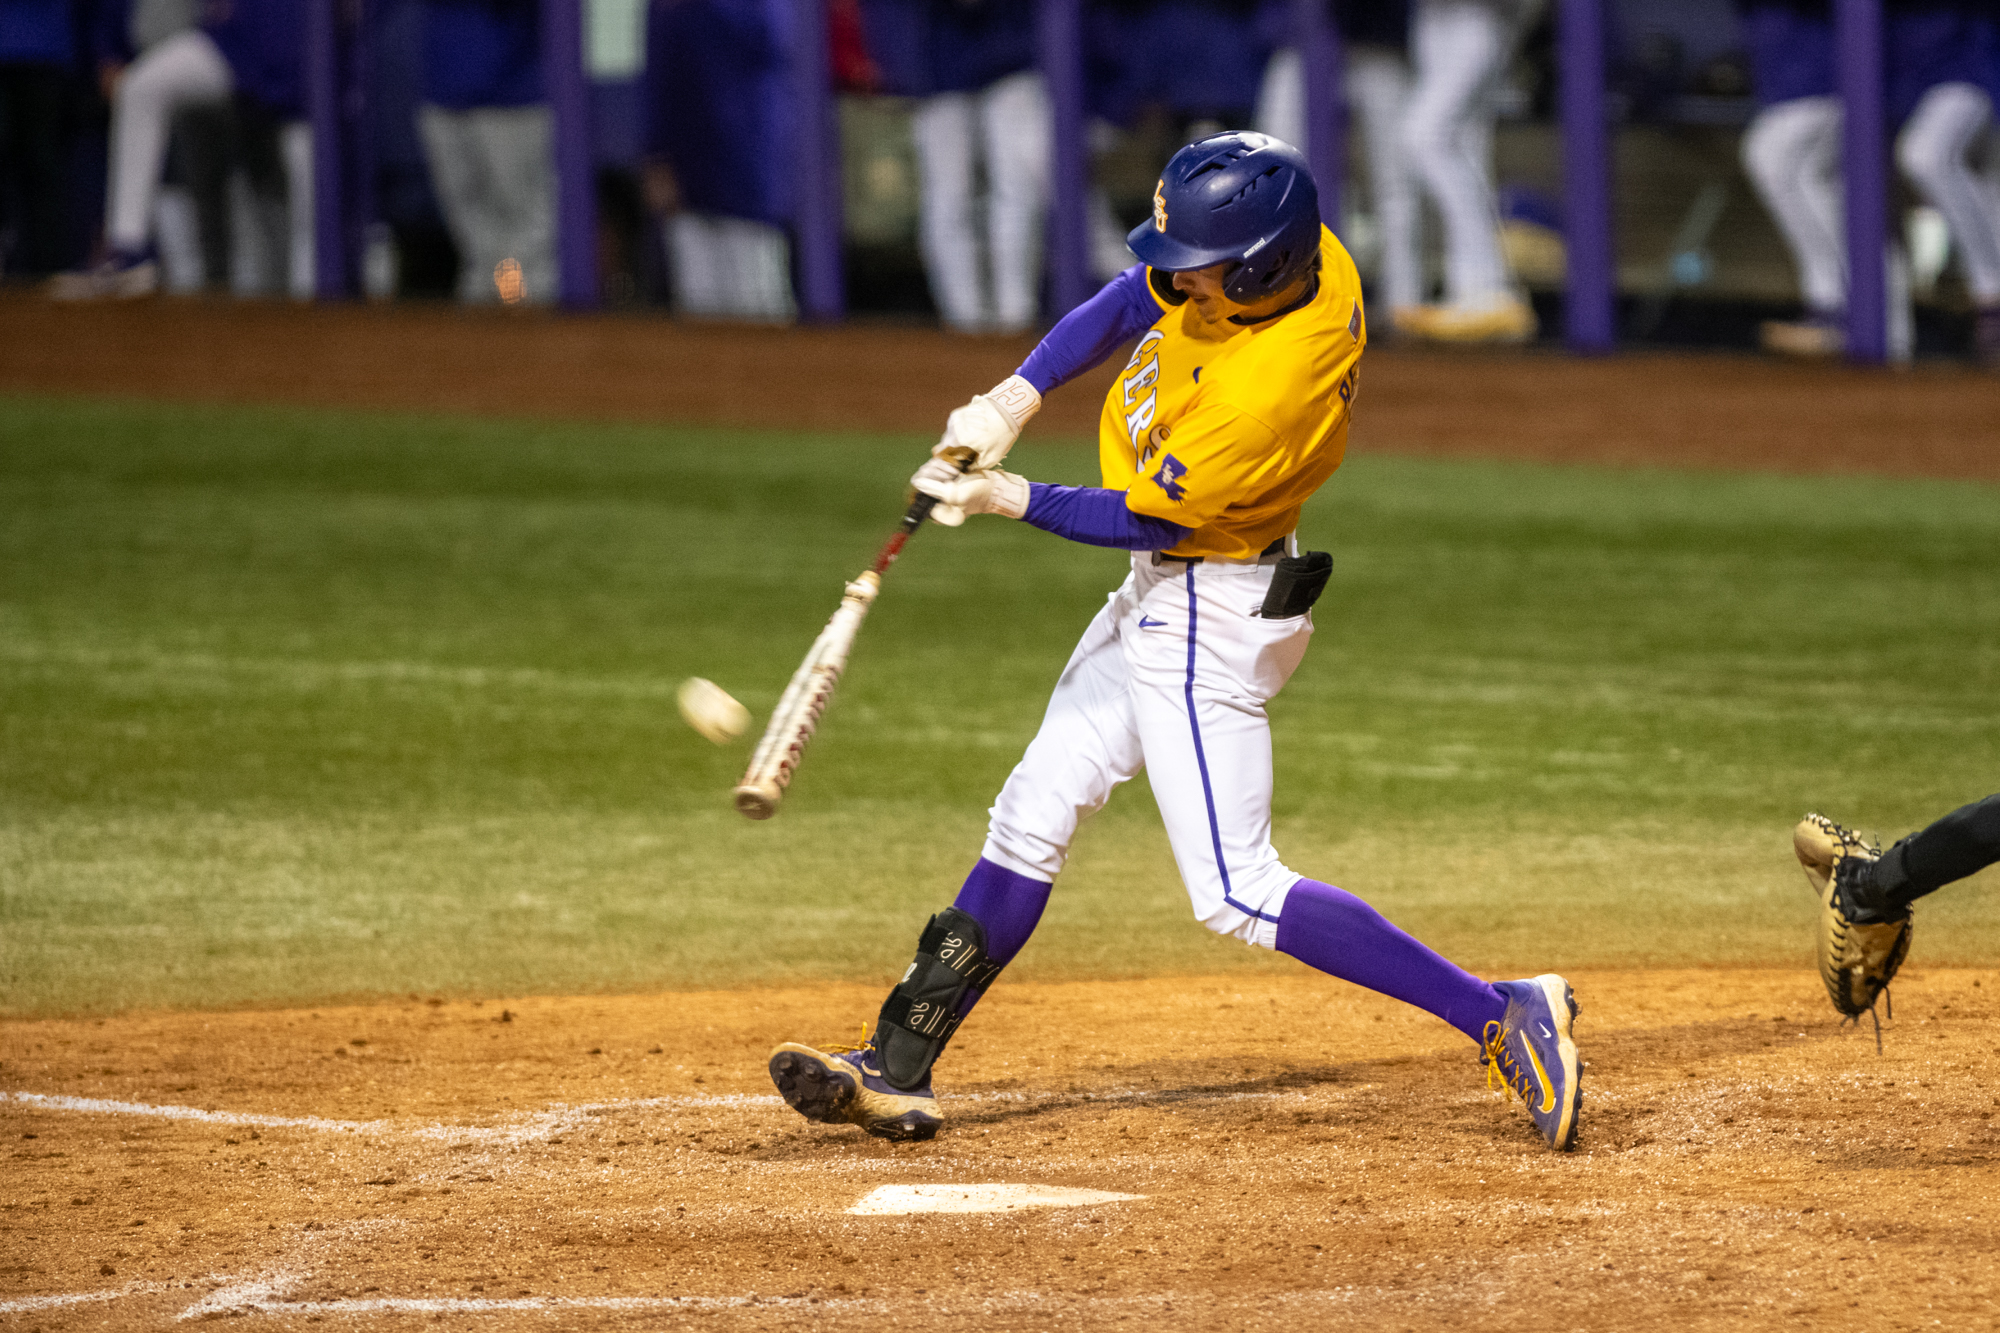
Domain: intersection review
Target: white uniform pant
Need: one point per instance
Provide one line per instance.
(272, 250)
(1005, 125)
(1378, 84)
(1934, 151)
(494, 174)
(184, 70)
(1459, 50)
(730, 268)
(1172, 676)
(1792, 151)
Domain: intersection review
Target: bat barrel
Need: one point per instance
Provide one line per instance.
(805, 698)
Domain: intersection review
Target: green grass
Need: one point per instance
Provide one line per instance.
(298, 705)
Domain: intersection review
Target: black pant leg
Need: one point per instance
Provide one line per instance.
(1963, 843)
(31, 144)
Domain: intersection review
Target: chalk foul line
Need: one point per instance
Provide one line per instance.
(539, 1125)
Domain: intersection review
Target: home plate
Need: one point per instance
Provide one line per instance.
(896, 1199)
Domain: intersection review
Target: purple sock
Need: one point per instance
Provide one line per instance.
(1339, 934)
(1007, 905)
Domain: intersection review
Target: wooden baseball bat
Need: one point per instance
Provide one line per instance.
(797, 715)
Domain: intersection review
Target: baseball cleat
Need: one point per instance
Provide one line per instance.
(121, 277)
(1815, 338)
(1499, 319)
(1531, 1052)
(845, 1086)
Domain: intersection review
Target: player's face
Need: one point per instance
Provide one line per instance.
(1204, 288)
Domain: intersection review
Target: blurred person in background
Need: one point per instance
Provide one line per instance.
(1459, 52)
(37, 53)
(1938, 68)
(719, 153)
(1189, 67)
(489, 138)
(269, 163)
(240, 60)
(1375, 36)
(984, 110)
(154, 61)
(1200, 61)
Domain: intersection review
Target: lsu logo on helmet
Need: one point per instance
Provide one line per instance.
(1160, 205)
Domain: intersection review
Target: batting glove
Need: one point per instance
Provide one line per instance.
(981, 491)
(991, 422)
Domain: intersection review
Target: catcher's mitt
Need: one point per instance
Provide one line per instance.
(1860, 948)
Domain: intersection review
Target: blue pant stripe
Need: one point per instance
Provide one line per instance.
(1201, 762)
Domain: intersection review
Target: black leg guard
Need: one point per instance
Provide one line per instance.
(922, 1012)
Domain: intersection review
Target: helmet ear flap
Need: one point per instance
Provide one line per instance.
(1275, 266)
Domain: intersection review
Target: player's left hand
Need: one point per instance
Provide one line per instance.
(980, 491)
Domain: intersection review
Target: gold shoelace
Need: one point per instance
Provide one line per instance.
(1512, 1079)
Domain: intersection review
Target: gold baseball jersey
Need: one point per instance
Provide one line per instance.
(1228, 428)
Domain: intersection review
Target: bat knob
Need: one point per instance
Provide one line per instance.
(759, 800)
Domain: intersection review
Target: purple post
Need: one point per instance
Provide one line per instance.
(1864, 162)
(568, 91)
(1586, 153)
(1059, 43)
(1326, 120)
(323, 107)
(822, 286)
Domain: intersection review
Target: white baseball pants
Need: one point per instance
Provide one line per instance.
(1171, 676)
(1792, 154)
(1378, 84)
(1934, 150)
(1459, 50)
(493, 169)
(1007, 125)
(730, 268)
(273, 249)
(184, 70)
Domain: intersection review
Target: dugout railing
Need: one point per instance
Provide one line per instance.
(335, 71)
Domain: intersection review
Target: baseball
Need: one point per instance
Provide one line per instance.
(710, 710)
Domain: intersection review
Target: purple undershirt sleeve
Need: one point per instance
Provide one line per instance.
(1096, 516)
(1122, 310)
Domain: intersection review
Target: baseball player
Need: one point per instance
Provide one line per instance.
(1866, 894)
(716, 73)
(1376, 40)
(1459, 51)
(983, 113)
(1232, 410)
(488, 136)
(1937, 53)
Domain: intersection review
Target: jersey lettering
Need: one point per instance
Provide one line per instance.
(1139, 418)
(1148, 376)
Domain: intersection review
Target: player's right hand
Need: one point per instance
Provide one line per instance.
(979, 491)
(991, 422)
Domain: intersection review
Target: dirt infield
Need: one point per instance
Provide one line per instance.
(1702, 411)
(1305, 1151)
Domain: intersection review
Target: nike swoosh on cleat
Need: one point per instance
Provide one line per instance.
(1545, 1031)
(1147, 622)
(1542, 1077)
